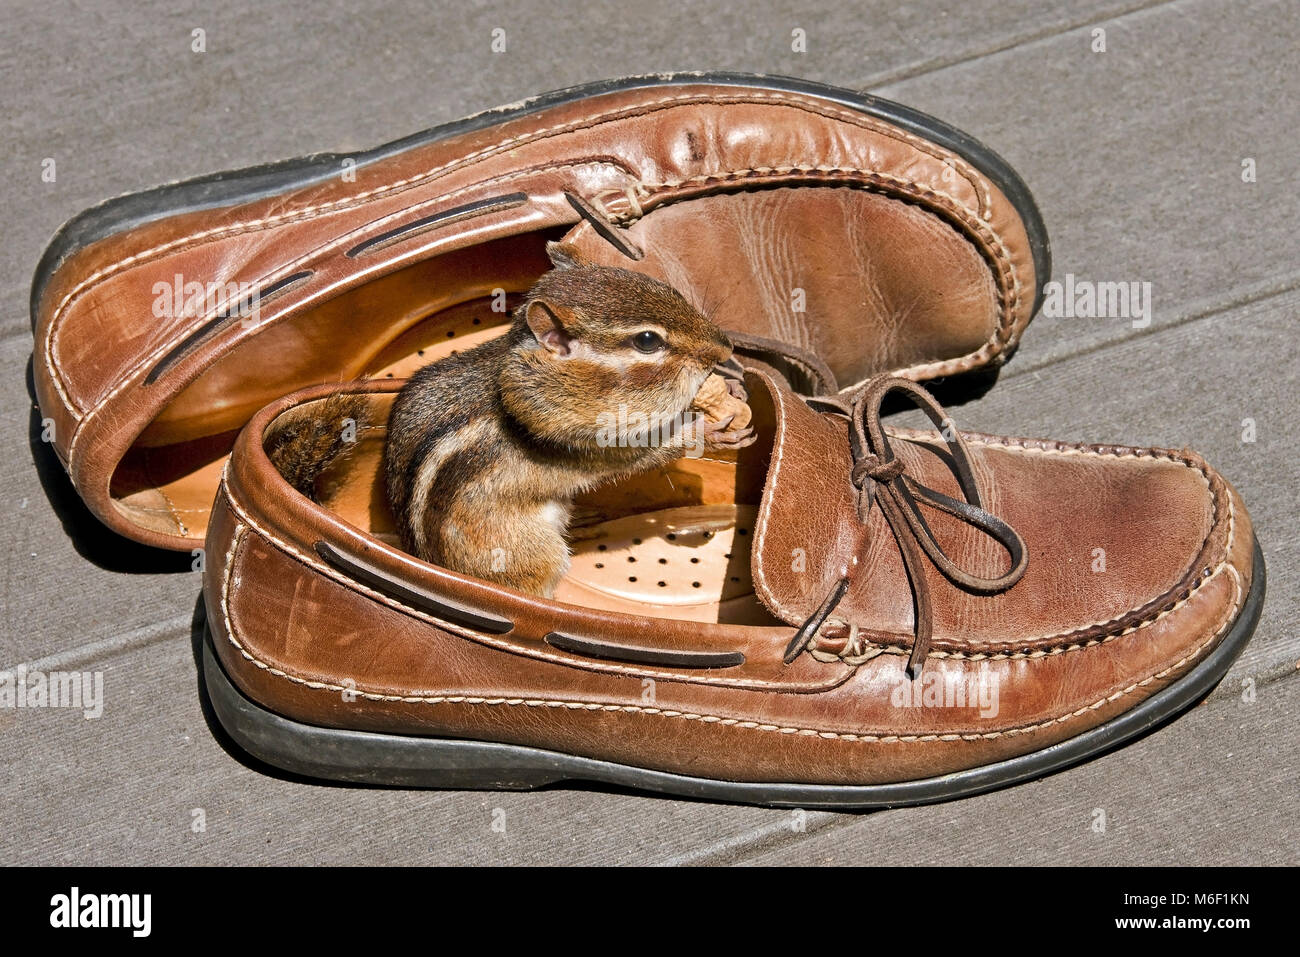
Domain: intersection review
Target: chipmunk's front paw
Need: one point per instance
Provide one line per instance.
(723, 415)
(722, 434)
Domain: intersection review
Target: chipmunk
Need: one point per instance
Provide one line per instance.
(487, 449)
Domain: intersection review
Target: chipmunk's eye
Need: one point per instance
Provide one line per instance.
(647, 341)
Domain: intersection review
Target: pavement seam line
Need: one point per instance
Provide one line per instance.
(82, 655)
(1250, 296)
(904, 74)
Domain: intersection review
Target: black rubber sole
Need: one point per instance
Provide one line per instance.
(398, 760)
(255, 182)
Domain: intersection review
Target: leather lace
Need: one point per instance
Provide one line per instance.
(881, 479)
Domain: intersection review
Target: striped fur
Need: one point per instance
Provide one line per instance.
(487, 448)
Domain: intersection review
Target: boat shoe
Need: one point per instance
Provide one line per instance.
(834, 234)
(840, 615)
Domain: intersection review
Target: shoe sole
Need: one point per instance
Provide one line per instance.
(364, 757)
(255, 182)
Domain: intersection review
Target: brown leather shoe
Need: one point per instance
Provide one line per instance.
(782, 206)
(749, 637)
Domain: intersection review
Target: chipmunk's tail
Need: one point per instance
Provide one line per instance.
(308, 439)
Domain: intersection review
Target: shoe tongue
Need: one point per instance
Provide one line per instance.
(807, 536)
(807, 530)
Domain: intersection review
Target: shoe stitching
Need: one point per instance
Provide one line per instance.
(689, 715)
(951, 159)
(147, 361)
(246, 519)
(1011, 283)
(1012, 445)
(1010, 286)
(1017, 446)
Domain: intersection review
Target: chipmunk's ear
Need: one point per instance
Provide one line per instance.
(564, 256)
(552, 324)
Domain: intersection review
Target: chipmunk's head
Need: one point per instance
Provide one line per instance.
(591, 340)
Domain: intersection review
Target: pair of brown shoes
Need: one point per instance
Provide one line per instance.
(844, 614)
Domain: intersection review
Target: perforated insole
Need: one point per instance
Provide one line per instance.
(690, 562)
